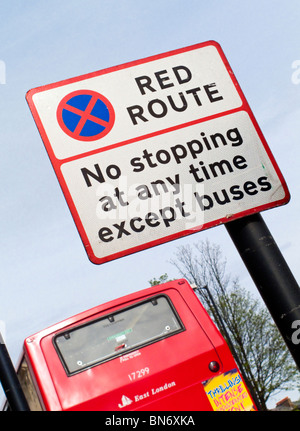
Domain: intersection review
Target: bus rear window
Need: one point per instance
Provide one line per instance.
(114, 334)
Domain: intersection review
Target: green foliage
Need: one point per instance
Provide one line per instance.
(162, 279)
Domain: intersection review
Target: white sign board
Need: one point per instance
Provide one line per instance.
(156, 149)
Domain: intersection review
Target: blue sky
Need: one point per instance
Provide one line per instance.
(45, 273)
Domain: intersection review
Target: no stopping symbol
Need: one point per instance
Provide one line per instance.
(85, 115)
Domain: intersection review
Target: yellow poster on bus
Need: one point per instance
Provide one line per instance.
(227, 392)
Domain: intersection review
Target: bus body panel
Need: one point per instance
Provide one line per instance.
(164, 375)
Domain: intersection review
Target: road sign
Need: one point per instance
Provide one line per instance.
(156, 149)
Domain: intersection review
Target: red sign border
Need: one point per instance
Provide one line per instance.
(56, 163)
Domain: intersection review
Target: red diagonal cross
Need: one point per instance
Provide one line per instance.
(85, 115)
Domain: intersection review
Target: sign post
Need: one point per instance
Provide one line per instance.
(272, 276)
(10, 382)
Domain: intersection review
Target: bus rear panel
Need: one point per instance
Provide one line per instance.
(153, 350)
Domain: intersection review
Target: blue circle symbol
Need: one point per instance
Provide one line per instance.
(85, 115)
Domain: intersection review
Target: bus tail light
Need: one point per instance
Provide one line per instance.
(214, 366)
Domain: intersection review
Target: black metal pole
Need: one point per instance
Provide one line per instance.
(272, 276)
(10, 382)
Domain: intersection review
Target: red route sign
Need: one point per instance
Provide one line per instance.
(156, 149)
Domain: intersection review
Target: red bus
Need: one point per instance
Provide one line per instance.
(153, 350)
